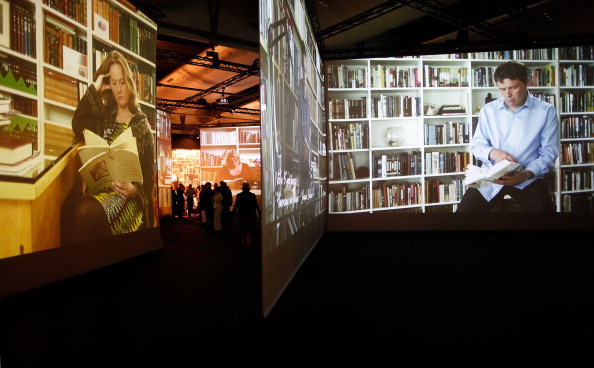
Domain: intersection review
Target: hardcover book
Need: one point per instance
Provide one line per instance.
(14, 150)
(477, 177)
(104, 163)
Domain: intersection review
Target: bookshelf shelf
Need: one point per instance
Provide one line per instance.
(563, 77)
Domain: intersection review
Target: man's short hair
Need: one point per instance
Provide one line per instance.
(511, 70)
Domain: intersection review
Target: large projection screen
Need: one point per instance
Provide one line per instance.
(293, 144)
(85, 71)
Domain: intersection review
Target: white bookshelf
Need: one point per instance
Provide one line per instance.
(453, 80)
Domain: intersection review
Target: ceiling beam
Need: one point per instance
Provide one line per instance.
(163, 104)
(358, 19)
(189, 88)
(315, 23)
(208, 62)
(453, 16)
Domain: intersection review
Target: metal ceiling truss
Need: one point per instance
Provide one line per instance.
(194, 129)
(208, 62)
(171, 106)
(189, 88)
(164, 103)
(315, 23)
(450, 15)
(358, 19)
(243, 71)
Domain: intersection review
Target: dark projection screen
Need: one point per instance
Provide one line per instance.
(293, 143)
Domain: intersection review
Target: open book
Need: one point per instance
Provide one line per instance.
(478, 176)
(103, 163)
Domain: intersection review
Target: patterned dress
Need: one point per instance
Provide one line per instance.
(123, 216)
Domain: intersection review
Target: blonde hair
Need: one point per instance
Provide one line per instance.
(231, 152)
(115, 57)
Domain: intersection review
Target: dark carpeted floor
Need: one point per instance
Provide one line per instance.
(360, 300)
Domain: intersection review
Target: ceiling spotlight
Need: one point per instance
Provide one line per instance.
(215, 58)
(232, 111)
(222, 100)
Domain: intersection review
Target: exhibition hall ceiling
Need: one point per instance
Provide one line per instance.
(189, 85)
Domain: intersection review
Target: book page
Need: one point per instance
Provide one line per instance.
(127, 166)
(478, 176)
(502, 168)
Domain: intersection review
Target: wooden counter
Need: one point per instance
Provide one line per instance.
(30, 211)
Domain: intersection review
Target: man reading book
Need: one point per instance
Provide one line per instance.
(108, 109)
(517, 127)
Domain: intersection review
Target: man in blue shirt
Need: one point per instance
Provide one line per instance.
(520, 128)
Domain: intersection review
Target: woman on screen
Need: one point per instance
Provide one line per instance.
(234, 172)
(109, 107)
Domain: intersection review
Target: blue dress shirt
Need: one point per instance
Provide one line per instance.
(530, 135)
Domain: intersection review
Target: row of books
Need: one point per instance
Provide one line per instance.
(24, 105)
(539, 77)
(57, 37)
(447, 133)
(341, 76)
(577, 101)
(577, 153)
(577, 127)
(74, 9)
(350, 136)
(445, 77)
(57, 139)
(62, 88)
(446, 162)
(348, 200)
(387, 195)
(400, 164)
(210, 159)
(546, 97)
(395, 77)
(527, 54)
(249, 137)
(577, 179)
(218, 137)
(437, 191)
(343, 108)
(577, 75)
(389, 106)
(484, 76)
(120, 28)
(542, 77)
(397, 194)
(576, 53)
(22, 29)
(342, 166)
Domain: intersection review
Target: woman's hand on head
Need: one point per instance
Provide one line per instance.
(99, 84)
(125, 190)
